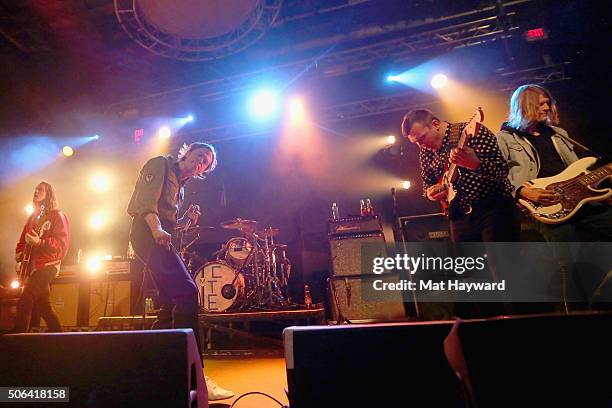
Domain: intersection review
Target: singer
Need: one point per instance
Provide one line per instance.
(154, 208)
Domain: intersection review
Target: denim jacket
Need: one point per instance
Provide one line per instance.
(522, 158)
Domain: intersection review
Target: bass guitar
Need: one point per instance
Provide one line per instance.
(576, 186)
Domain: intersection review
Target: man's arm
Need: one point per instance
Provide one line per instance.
(147, 192)
(493, 165)
(57, 239)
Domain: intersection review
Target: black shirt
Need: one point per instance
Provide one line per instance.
(550, 161)
(489, 180)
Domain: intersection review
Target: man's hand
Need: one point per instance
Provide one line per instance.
(32, 239)
(436, 192)
(465, 157)
(18, 256)
(161, 237)
(540, 195)
(193, 213)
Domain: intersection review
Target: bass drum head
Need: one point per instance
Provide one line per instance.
(210, 280)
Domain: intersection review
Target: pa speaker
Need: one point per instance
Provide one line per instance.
(542, 360)
(426, 227)
(160, 368)
(351, 253)
(350, 304)
(383, 365)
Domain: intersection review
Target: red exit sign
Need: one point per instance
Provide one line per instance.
(536, 34)
(138, 134)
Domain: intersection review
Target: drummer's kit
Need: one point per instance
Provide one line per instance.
(250, 273)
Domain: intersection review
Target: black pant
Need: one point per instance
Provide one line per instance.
(493, 220)
(36, 293)
(177, 290)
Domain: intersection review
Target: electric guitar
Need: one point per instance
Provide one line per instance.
(445, 183)
(24, 266)
(576, 187)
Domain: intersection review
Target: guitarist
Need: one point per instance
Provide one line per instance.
(48, 238)
(535, 147)
(483, 209)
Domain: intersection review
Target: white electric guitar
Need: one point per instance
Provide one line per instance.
(576, 186)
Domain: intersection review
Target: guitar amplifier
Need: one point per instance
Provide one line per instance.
(354, 254)
(426, 227)
(355, 225)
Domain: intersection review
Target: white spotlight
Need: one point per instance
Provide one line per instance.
(164, 132)
(99, 183)
(97, 221)
(406, 185)
(264, 104)
(391, 139)
(29, 209)
(439, 81)
(15, 284)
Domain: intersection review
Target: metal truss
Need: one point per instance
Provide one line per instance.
(135, 24)
(545, 74)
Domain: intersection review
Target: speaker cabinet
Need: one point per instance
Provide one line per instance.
(383, 365)
(159, 368)
(109, 298)
(426, 227)
(348, 302)
(353, 254)
(541, 360)
(65, 297)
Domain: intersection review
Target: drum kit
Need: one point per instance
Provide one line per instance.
(250, 272)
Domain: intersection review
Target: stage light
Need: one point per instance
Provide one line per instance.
(108, 257)
(296, 108)
(97, 221)
(96, 137)
(99, 183)
(164, 132)
(439, 81)
(15, 284)
(391, 78)
(67, 151)
(29, 209)
(264, 104)
(391, 139)
(93, 264)
(189, 118)
(406, 185)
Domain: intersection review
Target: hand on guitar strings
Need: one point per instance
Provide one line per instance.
(437, 192)
(465, 157)
(540, 195)
(32, 238)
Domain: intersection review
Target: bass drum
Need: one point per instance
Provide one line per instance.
(214, 282)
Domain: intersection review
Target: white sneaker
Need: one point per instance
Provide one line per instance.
(215, 392)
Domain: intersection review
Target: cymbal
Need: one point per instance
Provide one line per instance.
(199, 228)
(239, 224)
(281, 246)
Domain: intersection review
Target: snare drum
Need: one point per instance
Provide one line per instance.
(237, 250)
(211, 279)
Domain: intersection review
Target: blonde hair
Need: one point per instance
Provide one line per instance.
(524, 105)
(50, 202)
(199, 145)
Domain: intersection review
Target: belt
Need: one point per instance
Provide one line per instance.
(479, 206)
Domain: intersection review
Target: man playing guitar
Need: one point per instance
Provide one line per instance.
(483, 209)
(43, 244)
(535, 147)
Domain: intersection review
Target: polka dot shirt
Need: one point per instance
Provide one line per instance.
(489, 180)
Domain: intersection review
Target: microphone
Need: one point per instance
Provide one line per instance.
(195, 209)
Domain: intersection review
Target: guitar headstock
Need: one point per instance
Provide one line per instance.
(476, 118)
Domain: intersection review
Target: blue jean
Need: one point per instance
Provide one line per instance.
(177, 290)
(36, 293)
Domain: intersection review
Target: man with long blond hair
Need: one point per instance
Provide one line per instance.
(534, 146)
(46, 233)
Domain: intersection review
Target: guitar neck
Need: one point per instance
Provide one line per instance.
(452, 168)
(596, 176)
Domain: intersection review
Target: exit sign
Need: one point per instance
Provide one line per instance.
(536, 34)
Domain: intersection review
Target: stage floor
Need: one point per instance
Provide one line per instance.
(247, 374)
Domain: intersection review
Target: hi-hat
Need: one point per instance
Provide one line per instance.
(239, 224)
(269, 232)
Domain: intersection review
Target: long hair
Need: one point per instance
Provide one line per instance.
(199, 145)
(50, 201)
(524, 105)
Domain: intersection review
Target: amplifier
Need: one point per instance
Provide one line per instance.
(426, 227)
(354, 254)
(355, 225)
